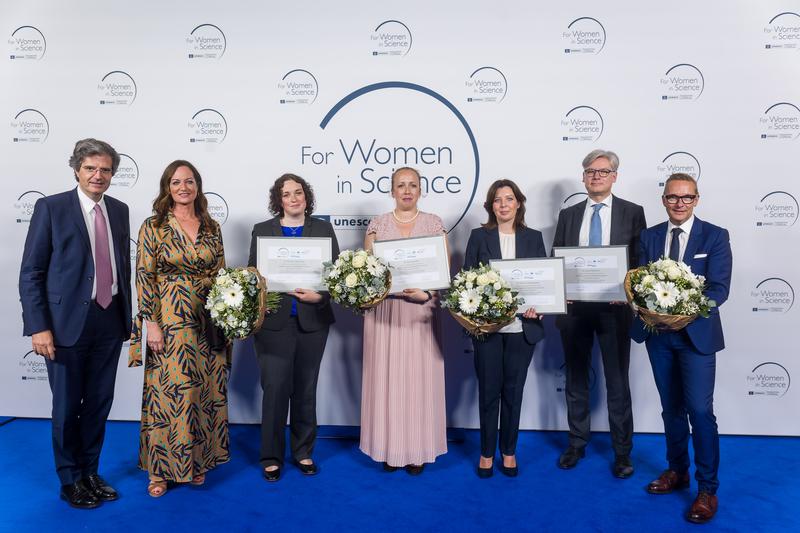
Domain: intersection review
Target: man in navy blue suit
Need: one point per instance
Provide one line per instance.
(74, 285)
(684, 362)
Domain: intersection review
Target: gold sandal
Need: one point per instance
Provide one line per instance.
(157, 489)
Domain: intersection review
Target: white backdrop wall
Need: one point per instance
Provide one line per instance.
(341, 93)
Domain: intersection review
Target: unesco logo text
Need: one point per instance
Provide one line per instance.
(582, 123)
(772, 295)
(27, 42)
(684, 162)
(486, 84)
(391, 38)
(23, 207)
(584, 35)
(783, 32)
(777, 209)
(30, 126)
(780, 121)
(32, 367)
(768, 379)
(127, 172)
(298, 86)
(682, 82)
(208, 126)
(117, 88)
(206, 41)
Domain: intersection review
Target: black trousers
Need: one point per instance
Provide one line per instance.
(289, 360)
(501, 364)
(611, 324)
(82, 380)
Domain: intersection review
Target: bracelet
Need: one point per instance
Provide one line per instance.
(430, 296)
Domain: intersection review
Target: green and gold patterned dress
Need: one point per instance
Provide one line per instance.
(184, 431)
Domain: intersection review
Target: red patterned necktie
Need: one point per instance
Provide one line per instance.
(102, 259)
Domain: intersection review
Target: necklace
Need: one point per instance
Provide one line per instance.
(294, 230)
(404, 221)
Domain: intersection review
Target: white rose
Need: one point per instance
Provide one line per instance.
(471, 276)
(483, 279)
(494, 277)
(498, 285)
(673, 272)
(507, 298)
(351, 280)
(359, 260)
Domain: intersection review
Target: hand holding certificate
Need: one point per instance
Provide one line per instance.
(289, 263)
(594, 273)
(416, 263)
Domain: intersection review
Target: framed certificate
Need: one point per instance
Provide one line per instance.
(416, 263)
(290, 263)
(594, 273)
(539, 281)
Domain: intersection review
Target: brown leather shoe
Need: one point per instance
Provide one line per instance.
(668, 481)
(703, 509)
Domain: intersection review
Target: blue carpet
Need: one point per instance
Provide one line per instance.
(758, 492)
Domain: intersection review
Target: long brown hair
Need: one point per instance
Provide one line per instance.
(164, 203)
(519, 219)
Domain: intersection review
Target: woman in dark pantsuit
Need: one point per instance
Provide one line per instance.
(292, 338)
(502, 358)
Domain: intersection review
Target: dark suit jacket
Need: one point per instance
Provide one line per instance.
(484, 245)
(310, 316)
(627, 221)
(708, 253)
(57, 273)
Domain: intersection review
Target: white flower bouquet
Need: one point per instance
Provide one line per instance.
(238, 301)
(667, 295)
(357, 279)
(481, 300)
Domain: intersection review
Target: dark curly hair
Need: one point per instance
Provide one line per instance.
(519, 219)
(275, 192)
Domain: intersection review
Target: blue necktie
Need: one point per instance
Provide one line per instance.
(596, 227)
(675, 245)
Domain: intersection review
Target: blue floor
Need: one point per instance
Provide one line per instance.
(759, 489)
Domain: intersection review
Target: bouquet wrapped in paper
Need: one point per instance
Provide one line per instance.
(666, 295)
(357, 279)
(481, 300)
(238, 301)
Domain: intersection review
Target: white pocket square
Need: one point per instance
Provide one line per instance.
(700, 256)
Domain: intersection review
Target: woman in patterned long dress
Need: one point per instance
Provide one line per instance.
(184, 431)
(403, 419)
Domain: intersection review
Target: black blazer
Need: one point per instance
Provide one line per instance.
(627, 222)
(311, 316)
(484, 245)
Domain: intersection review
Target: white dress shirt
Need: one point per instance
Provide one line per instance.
(683, 238)
(605, 220)
(508, 250)
(87, 208)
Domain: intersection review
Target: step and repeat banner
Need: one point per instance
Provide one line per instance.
(467, 92)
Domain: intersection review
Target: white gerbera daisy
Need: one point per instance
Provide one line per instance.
(232, 296)
(666, 294)
(468, 301)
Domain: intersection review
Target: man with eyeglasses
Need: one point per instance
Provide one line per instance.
(601, 220)
(75, 289)
(684, 362)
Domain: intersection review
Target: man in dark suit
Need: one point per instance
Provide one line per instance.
(601, 220)
(74, 285)
(684, 362)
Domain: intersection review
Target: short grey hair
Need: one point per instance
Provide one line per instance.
(92, 147)
(596, 154)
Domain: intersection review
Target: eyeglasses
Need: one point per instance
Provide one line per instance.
(91, 170)
(686, 199)
(603, 172)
